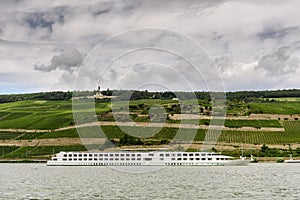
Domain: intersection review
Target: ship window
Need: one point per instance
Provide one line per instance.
(127, 155)
(75, 155)
(80, 155)
(117, 155)
(178, 158)
(122, 158)
(127, 158)
(218, 158)
(75, 159)
(173, 158)
(196, 154)
(132, 158)
(101, 155)
(226, 158)
(80, 159)
(106, 159)
(161, 159)
(173, 154)
(151, 154)
(184, 158)
(111, 159)
(85, 155)
(179, 154)
(122, 155)
(167, 154)
(84, 159)
(161, 154)
(191, 158)
(203, 154)
(111, 155)
(95, 158)
(138, 155)
(132, 155)
(91, 155)
(116, 158)
(70, 155)
(197, 158)
(100, 158)
(209, 154)
(203, 158)
(95, 155)
(185, 154)
(209, 158)
(147, 159)
(54, 159)
(65, 155)
(191, 154)
(105, 154)
(70, 159)
(138, 159)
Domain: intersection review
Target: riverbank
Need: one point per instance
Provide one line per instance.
(22, 161)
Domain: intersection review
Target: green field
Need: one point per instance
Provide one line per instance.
(9, 135)
(290, 135)
(29, 152)
(50, 115)
(288, 108)
(232, 123)
(47, 115)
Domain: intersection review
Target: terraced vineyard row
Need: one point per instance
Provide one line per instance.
(290, 135)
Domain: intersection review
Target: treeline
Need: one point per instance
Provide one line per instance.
(238, 95)
(36, 96)
(250, 95)
(135, 95)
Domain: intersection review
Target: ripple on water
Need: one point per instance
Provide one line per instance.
(257, 181)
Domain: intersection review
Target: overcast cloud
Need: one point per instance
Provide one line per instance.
(45, 44)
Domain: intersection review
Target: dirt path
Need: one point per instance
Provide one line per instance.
(52, 142)
(24, 130)
(252, 116)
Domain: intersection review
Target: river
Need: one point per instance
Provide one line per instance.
(256, 181)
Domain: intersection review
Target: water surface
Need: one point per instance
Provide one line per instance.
(256, 181)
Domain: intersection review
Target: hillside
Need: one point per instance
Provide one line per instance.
(38, 128)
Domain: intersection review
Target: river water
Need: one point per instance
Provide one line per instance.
(256, 181)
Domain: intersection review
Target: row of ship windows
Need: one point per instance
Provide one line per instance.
(96, 159)
(101, 155)
(133, 159)
(138, 155)
(191, 163)
(185, 154)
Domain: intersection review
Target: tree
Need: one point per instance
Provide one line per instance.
(298, 150)
(264, 149)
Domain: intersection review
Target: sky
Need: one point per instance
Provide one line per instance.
(156, 45)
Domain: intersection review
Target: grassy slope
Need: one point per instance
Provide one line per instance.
(39, 114)
(55, 114)
(286, 108)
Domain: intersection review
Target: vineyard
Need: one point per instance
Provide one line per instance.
(290, 135)
(50, 115)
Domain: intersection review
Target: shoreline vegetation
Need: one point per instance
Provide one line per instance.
(265, 124)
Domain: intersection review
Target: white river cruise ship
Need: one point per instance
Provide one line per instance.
(157, 158)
